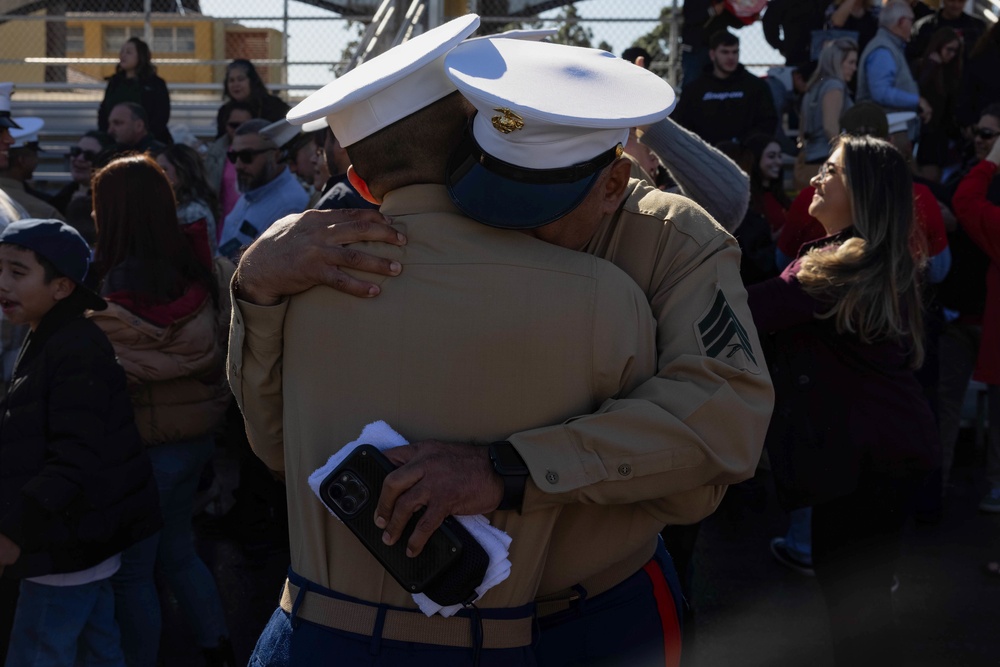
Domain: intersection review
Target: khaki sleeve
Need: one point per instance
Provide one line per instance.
(254, 369)
(675, 440)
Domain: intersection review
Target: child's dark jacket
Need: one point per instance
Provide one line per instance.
(76, 486)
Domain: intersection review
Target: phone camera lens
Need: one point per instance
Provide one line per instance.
(337, 491)
(348, 504)
(352, 487)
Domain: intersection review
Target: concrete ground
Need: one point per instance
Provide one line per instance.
(749, 610)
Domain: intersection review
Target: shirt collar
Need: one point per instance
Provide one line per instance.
(896, 39)
(420, 198)
(279, 182)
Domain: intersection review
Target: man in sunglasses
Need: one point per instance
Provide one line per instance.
(269, 191)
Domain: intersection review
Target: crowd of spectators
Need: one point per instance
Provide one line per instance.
(927, 114)
(925, 81)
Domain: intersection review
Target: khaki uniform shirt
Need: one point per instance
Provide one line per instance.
(665, 453)
(485, 333)
(35, 207)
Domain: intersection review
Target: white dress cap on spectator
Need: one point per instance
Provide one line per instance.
(389, 87)
(27, 131)
(280, 132)
(6, 88)
(550, 118)
(314, 125)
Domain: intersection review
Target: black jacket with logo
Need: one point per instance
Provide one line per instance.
(76, 485)
(725, 109)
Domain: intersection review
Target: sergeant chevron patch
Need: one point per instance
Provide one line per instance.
(721, 336)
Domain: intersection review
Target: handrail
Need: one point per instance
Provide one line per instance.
(167, 17)
(207, 87)
(414, 14)
(383, 25)
(369, 33)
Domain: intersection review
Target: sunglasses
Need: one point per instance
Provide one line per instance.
(76, 151)
(247, 155)
(985, 133)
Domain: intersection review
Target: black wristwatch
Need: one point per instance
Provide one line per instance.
(510, 466)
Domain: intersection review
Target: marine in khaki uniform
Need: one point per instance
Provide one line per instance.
(665, 452)
(21, 163)
(488, 332)
(662, 454)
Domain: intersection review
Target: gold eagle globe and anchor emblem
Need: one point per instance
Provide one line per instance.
(508, 121)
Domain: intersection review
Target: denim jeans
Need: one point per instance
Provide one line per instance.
(64, 626)
(177, 468)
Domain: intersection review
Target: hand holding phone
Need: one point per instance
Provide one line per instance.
(446, 478)
(451, 564)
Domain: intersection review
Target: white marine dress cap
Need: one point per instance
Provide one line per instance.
(536, 35)
(389, 87)
(26, 131)
(550, 118)
(280, 132)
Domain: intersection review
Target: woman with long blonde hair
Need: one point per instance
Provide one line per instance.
(852, 434)
(826, 99)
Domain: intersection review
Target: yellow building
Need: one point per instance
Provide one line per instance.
(175, 37)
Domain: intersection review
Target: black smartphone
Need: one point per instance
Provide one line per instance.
(351, 491)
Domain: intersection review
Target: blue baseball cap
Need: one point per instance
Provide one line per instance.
(61, 245)
(550, 118)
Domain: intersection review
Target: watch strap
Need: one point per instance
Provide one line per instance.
(515, 478)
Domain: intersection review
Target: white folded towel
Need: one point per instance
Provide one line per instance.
(495, 541)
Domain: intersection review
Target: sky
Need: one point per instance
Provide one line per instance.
(316, 39)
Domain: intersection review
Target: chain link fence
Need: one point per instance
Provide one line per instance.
(59, 52)
(72, 45)
(69, 47)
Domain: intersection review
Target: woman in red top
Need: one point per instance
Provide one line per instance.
(980, 218)
(767, 181)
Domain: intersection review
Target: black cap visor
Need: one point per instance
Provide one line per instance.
(7, 121)
(503, 195)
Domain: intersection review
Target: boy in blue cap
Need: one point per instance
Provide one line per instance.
(76, 486)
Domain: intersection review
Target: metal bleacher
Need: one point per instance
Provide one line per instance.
(69, 114)
(70, 110)
(66, 122)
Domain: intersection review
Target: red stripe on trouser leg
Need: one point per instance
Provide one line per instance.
(668, 614)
